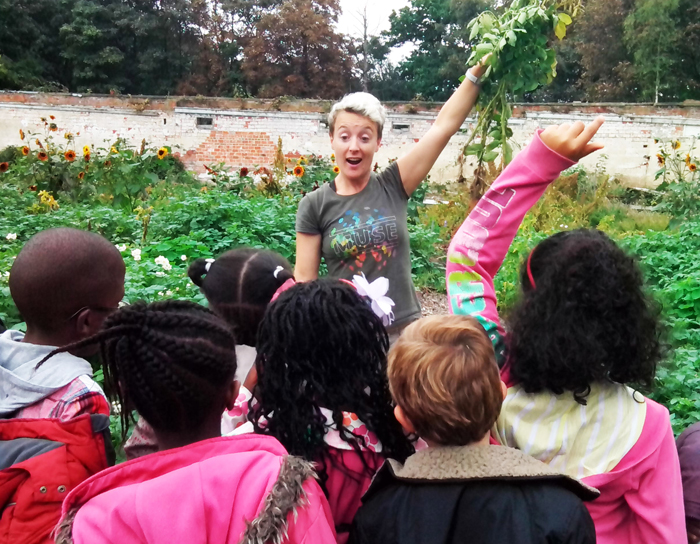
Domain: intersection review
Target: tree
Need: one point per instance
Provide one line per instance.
(295, 51)
(438, 30)
(607, 64)
(651, 32)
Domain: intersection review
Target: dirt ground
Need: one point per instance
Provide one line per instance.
(432, 303)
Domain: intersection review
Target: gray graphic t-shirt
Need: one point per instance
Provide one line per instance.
(366, 232)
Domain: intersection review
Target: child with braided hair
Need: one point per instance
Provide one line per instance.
(174, 362)
(322, 390)
(238, 285)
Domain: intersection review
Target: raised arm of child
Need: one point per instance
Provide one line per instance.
(478, 248)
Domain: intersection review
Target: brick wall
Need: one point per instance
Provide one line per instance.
(245, 132)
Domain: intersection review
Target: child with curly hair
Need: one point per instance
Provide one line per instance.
(175, 362)
(583, 335)
(322, 390)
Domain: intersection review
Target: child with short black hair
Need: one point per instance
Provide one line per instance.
(322, 389)
(174, 362)
(445, 381)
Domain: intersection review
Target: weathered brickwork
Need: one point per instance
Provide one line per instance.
(245, 132)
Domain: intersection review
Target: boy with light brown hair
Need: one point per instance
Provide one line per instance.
(445, 382)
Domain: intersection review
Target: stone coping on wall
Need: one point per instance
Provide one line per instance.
(148, 105)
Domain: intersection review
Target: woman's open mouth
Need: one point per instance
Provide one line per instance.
(354, 162)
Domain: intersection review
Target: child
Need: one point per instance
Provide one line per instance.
(238, 285)
(174, 362)
(322, 389)
(688, 445)
(444, 380)
(53, 418)
(65, 282)
(583, 331)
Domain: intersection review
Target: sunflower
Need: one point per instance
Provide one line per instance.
(4, 167)
(162, 153)
(114, 150)
(86, 157)
(68, 136)
(336, 169)
(39, 143)
(662, 160)
(693, 167)
(333, 157)
(81, 175)
(302, 160)
(299, 171)
(53, 127)
(69, 155)
(86, 150)
(32, 188)
(42, 156)
(21, 134)
(243, 173)
(25, 150)
(687, 159)
(107, 163)
(676, 145)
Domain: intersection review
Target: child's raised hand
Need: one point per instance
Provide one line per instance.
(573, 141)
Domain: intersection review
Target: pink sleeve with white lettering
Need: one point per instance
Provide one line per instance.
(481, 243)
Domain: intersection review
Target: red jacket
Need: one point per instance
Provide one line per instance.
(41, 461)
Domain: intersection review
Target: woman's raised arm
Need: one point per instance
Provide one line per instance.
(415, 165)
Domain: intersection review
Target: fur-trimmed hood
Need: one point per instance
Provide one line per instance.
(454, 464)
(233, 490)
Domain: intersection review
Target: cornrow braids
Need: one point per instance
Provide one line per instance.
(321, 346)
(172, 361)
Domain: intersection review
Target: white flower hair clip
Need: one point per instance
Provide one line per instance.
(376, 292)
(208, 265)
(277, 271)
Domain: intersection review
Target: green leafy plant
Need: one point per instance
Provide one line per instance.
(516, 48)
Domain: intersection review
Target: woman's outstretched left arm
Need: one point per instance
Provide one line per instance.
(415, 165)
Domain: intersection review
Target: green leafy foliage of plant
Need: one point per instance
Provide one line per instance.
(515, 46)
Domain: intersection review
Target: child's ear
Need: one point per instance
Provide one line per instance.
(232, 394)
(504, 389)
(404, 421)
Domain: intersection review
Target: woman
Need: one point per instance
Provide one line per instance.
(358, 222)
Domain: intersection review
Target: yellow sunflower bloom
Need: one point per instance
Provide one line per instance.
(336, 169)
(114, 150)
(333, 157)
(25, 151)
(693, 167)
(661, 159)
(162, 153)
(86, 150)
(299, 171)
(676, 145)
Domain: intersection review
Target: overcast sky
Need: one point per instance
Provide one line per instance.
(378, 11)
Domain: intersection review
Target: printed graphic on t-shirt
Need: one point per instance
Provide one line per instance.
(358, 236)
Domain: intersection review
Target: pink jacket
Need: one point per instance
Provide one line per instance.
(641, 497)
(241, 489)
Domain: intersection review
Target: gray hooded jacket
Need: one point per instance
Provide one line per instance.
(21, 383)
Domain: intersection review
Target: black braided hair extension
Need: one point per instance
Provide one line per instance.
(172, 361)
(321, 346)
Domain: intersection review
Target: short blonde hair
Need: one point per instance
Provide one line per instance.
(443, 374)
(363, 104)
